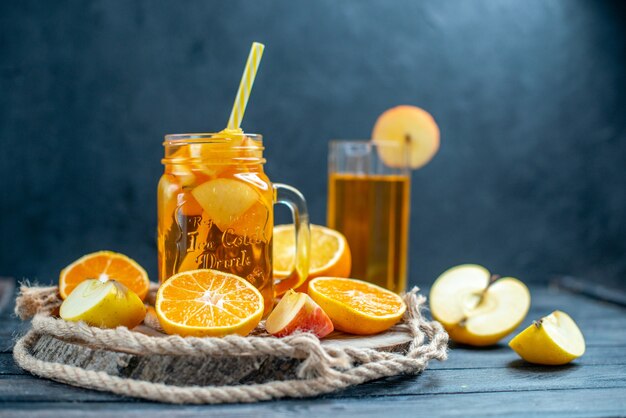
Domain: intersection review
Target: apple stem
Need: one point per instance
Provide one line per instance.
(407, 139)
(492, 280)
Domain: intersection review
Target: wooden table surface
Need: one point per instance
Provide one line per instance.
(472, 382)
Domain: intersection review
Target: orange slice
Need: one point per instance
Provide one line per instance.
(180, 169)
(104, 266)
(355, 306)
(208, 303)
(329, 256)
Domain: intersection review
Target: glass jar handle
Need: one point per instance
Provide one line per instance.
(293, 199)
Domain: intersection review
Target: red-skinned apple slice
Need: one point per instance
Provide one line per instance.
(297, 312)
(413, 130)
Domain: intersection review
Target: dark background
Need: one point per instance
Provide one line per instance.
(529, 95)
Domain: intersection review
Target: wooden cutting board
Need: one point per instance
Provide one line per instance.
(188, 370)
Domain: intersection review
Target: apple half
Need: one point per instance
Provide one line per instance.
(477, 308)
(297, 312)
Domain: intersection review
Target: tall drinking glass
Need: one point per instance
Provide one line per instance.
(368, 201)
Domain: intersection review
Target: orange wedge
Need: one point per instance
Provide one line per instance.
(355, 306)
(208, 303)
(182, 172)
(104, 266)
(329, 256)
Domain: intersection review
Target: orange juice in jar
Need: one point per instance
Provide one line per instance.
(215, 210)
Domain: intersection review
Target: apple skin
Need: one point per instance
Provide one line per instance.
(536, 344)
(297, 312)
(461, 335)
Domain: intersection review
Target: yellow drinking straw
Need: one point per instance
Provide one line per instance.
(247, 79)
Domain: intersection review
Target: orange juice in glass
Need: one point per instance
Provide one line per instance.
(369, 202)
(215, 210)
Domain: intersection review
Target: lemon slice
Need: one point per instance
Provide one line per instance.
(103, 304)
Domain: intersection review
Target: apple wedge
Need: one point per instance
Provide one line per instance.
(297, 312)
(477, 308)
(225, 201)
(553, 340)
(103, 304)
(413, 130)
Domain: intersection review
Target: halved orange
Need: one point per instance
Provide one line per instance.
(329, 256)
(355, 306)
(104, 266)
(203, 303)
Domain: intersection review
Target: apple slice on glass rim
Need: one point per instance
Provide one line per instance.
(413, 130)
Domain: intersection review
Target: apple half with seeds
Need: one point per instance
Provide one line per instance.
(477, 308)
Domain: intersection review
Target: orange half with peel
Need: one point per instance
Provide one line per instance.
(355, 306)
(208, 303)
(104, 266)
(329, 256)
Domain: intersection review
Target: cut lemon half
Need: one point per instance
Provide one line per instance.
(208, 303)
(355, 306)
(329, 256)
(104, 266)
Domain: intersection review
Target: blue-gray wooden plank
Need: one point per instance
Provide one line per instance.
(553, 403)
(488, 381)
